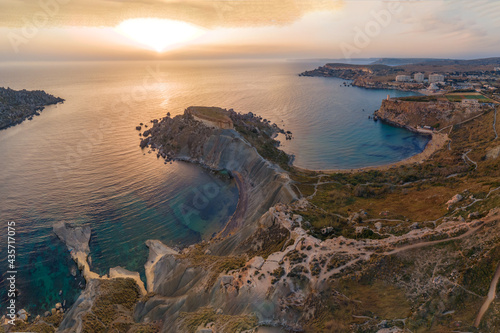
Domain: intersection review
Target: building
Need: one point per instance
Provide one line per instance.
(497, 69)
(419, 77)
(463, 85)
(403, 78)
(435, 78)
(433, 86)
(470, 102)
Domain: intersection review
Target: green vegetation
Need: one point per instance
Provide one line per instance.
(110, 295)
(428, 186)
(277, 274)
(268, 240)
(191, 321)
(215, 264)
(477, 278)
(43, 325)
(213, 113)
(419, 98)
(377, 297)
(296, 257)
(266, 146)
(36, 327)
(435, 288)
(454, 97)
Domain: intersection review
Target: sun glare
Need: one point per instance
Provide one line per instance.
(159, 34)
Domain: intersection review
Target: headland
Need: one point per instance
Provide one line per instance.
(17, 106)
(378, 249)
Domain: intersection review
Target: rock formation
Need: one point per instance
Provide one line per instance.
(16, 106)
(411, 114)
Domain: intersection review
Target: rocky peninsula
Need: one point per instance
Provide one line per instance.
(413, 247)
(364, 76)
(19, 105)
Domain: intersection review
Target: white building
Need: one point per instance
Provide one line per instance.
(403, 78)
(435, 78)
(497, 69)
(433, 86)
(468, 102)
(419, 77)
(464, 85)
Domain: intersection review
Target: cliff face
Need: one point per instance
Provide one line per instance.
(261, 183)
(411, 114)
(189, 281)
(182, 283)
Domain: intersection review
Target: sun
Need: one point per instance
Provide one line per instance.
(159, 34)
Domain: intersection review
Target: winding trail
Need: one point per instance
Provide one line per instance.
(462, 122)
(425, 244)
(495, 125)
(490, 298)
(465, 158)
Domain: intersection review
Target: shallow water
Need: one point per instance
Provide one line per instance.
(79, 162)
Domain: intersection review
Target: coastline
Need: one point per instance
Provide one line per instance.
(16, 106)
(438, 141)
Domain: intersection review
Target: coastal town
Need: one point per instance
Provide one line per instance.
(478, 79)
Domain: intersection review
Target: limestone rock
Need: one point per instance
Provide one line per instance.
(493, 153)
(256, 262)
(456, 199)
(76, 238)
(226, 279)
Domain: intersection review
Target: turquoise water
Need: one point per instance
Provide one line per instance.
(79, 162)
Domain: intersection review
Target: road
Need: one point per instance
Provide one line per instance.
(490, 298)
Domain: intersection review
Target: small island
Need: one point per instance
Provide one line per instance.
(19, 105)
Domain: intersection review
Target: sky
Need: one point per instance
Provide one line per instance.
(38, 30)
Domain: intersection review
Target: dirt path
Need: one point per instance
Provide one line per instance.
(495, 125)
(490, 298)
(467, 158)
(425, 244)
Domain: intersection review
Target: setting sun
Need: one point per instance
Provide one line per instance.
(159, 34)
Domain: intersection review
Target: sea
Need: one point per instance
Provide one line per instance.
(80, 162)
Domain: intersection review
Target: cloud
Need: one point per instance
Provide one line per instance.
(209, 14)
(265, 28)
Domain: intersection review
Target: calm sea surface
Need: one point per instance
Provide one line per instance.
(79, 162)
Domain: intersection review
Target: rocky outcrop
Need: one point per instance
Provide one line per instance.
(261, 183)
(493, 153)
(179, 282)
(121, 284)
(122, 273)
(414, 114)
(157, 251)
(186, 282)
(77, 241)
(365, 76)
(73, 319)
(16, 106)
